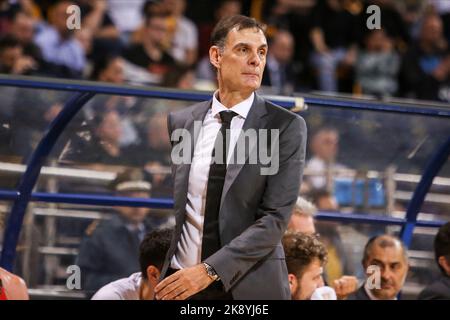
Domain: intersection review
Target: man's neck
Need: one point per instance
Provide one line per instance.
(231, 98)
(145, 292)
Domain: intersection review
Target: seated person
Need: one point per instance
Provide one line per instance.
(387, 254)
(440, 289)
(302, 220)
(339, 260)
(140, 285)
(305, 258)
(12, 287)
(110, 250)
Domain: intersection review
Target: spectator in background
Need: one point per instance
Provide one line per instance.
(140, 285)
(281, 72)
(386, 263)
(425, 69)
(7, 10)
(58, 43)
(391, 21)
(22, 29)
(302, 218)
(305, 258)
(12, 59)
(324, 148)
(334, 41)
(181, 77)
(154, 154)
(183, 33)
(110, 249)
(111, 69)
(302, 221)
(339, 263)
(96, 18)
(151, 55)
(377, 65)
(440, 289)
(102, 145)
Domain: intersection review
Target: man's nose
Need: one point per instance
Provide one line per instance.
(386, 274)
(255, 59)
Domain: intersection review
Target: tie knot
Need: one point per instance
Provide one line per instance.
(227, 116)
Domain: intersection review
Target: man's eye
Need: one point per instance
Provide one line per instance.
(262, 52)
(243, 50)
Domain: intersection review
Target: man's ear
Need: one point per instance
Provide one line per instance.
(293, 283)
(215, 56)
(444, 264)
(153, 274)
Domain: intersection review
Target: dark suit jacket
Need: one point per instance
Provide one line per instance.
(255, 209)
(438, 290)
(109, 253)
(360, 294)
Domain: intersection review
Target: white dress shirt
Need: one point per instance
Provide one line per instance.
(122, 289)
(189, 247)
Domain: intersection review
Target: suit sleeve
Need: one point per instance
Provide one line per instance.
(235, 259)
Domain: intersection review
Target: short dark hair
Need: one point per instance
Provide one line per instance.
(383, 241)
(7, 42)
(442, 244)
(224, 26)
(153, 15)
(153, 249)
(301, 249)
(101, 64)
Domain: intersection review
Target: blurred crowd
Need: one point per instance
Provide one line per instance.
(322, 45)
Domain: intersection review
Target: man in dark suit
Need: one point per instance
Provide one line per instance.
(110, 249)
(440, 289)
(386, 263)
(231, 215)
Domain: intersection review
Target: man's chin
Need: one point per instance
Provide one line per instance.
(385, 294)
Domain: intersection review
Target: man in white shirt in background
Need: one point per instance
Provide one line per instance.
(140, 285)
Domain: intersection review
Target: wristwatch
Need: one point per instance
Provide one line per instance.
(211, 272)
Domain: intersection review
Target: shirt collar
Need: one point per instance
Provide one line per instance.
(133, 227)
(242, 108)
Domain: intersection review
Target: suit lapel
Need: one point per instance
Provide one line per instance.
(193, 125)
(255, 120)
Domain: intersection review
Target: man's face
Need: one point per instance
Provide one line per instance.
(241, 62)
(310, 281)
(157, 30)
(23, 28)
(132, 214)
(114, 73)
(110, 130)
(301, 223)
(432, 30)
(283, 48)
(325, 145)
(59, 17)
(393, 270)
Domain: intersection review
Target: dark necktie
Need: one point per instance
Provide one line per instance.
(216, 179)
